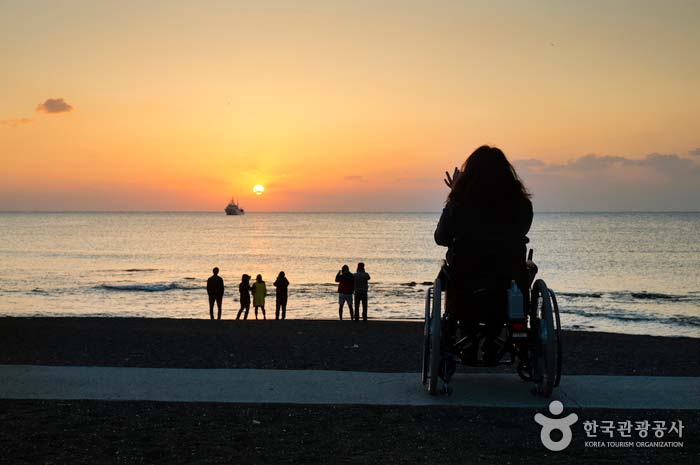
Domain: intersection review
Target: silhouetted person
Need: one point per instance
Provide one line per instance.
(281, 284)
(259, 293)
(244, 291)
(346, 285)
(361, 287)
(215, 289)
(484, 225)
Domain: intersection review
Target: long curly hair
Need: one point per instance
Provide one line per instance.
(487, 175)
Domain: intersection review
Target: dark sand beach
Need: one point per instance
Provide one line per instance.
(382, 346)
(89, 432)
(152, 432)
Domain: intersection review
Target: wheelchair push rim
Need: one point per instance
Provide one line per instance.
(557, 321)
(546, 361)
(425, 359)
(434, 340)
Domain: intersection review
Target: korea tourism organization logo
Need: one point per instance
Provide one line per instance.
(549, 425)
(608, 433)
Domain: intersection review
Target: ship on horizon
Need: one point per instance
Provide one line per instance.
(233, 208)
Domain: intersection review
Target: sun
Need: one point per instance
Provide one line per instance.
(258, 189)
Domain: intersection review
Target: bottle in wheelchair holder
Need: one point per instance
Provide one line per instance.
(516, 311)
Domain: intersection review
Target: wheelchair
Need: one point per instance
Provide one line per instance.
(532, 339)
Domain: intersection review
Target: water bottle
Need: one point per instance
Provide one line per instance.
(515, 302)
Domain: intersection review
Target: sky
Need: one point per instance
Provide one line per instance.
(345, 106)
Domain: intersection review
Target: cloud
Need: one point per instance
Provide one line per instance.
(354, 178)
(613, 183)
(589, 163)
(54, 105)
(531, 162)
(13, 123)
(694, 152)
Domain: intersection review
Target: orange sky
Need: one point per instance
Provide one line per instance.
(347, 106)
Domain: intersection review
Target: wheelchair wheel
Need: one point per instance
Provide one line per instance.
(557, 329)
(434, 353)
(425, 361)
(547, 354)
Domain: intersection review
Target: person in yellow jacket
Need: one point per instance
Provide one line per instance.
(259, 293)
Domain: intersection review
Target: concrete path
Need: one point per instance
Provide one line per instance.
(337, 387)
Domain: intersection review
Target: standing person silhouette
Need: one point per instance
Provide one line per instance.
(361, 288)
(215, 289)
(346, 285)
(484, 225)
(281, 284)
(244, 291)
(259, 292)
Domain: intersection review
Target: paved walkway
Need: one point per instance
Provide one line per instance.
(337, 387)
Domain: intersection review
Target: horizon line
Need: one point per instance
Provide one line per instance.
(332, 211)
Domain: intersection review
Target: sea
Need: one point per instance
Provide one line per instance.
(636, 273)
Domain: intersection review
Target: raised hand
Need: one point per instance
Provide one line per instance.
(452, 180)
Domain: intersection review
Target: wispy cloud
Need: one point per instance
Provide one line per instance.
(613, 183)
(671, 163)
(354, 178)
(13, 123)
(54, 105)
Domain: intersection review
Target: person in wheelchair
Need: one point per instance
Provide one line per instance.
(484, 225)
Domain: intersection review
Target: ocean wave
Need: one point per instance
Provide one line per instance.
(632, 296)
(138, 270)
(655, 296)
(156, 287)
(591, 295)
(632, 317)
(685, 320)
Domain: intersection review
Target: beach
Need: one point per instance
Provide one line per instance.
(382, 346)
(86, 431)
